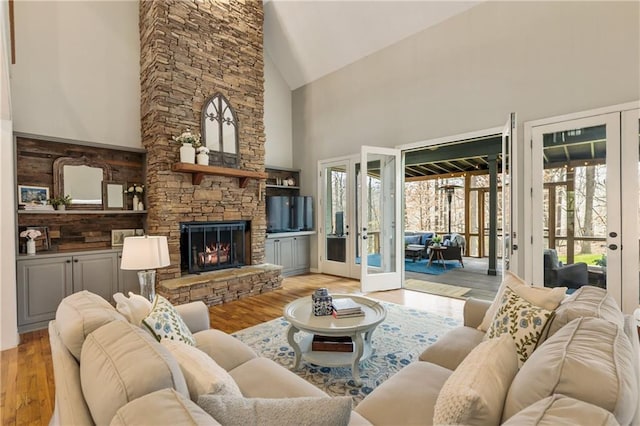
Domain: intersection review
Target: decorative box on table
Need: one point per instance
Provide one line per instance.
(322, 302)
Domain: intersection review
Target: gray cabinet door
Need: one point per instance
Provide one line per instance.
(127, 280)
(270, 255)
(302, 246)
(97, 273)
(287, 254)
(42, 284)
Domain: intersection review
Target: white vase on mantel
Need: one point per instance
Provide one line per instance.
(203, 158)
(135, 202)
(187, 153)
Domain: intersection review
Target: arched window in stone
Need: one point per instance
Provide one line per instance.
(220, 131)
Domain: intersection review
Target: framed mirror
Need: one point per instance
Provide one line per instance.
(81, 178)
(113, 197)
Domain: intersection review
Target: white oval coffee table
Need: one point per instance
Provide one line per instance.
(299, 313)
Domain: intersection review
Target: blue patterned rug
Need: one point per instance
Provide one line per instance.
(398, 341)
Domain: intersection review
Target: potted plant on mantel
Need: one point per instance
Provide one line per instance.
(60, 203)
(190, 141)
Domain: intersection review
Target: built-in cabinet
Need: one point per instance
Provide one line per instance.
(290, 250)
(282, 181)
(44, 280)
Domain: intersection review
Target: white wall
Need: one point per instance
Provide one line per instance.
(538, 59)
(8, 313)
(277, 117)
(77, 71)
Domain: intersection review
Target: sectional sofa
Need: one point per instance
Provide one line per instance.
(586, 371)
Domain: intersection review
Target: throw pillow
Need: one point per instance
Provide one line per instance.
(547, 298)
(309, 411)
(522, 320)
(203, 374)
(474, 393)
(164, 322)
(135, 307)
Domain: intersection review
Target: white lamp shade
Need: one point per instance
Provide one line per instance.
(148, 252)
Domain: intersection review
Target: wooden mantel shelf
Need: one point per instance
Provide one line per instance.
(200, 171)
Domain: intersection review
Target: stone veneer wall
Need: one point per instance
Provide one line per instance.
(189, 51)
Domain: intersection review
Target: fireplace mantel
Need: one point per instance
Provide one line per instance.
(200, 171)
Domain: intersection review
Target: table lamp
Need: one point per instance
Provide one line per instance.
(145, 254)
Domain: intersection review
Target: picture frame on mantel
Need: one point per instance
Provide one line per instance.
(113, 195)
(34, 195)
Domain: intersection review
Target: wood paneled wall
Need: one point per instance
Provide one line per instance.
(34, 166)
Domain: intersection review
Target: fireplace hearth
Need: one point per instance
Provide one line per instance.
(210, 246)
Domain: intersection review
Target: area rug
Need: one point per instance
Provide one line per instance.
(421, 266)
(436, 288)
(398, 341)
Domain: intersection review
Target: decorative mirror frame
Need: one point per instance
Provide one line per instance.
(217, 155)
(105, 194)
(58, 177)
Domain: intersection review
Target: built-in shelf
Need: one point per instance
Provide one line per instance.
(200, 171)
(282, 186)
(102, 212)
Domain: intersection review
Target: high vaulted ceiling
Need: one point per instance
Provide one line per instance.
(310, 39)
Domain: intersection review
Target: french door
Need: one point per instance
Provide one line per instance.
(380, 224)
(585, 203)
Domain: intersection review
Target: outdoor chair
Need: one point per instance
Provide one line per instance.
(556, 274)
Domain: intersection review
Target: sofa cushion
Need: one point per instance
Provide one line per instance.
(411, 239)
(121, 362)
(406, 398)
(81, 313)
(229, 410)
(163, 407)
(449, 350)
(164, 322)
(134, 308)
(263, 378)
(227, 351)
(587, 301)
(474, 394)
(589, 359)
(201, 373)
(522, 320)
(559, 409)
(425, 238)
(547, 298)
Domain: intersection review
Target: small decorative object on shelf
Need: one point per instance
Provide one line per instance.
(31, 235)
(60, 203)
(137, 190)
(322, 302)
(203, 155)
(190, 141)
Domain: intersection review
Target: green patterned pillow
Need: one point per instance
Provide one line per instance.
(164, 322)
(524, 321)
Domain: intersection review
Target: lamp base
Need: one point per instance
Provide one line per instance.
(147, 281)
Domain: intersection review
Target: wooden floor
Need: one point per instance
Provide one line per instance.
(26, 372)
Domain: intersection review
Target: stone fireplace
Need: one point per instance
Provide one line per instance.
(189, 51)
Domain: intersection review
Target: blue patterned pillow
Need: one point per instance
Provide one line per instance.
(523, 320)
(164, 322)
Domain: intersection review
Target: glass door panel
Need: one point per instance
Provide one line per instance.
(579, 214)
(335, 210)
(380, 196)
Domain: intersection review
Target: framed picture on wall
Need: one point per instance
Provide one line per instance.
(118, 236)
(28, 194)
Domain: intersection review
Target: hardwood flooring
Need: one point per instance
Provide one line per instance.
(26, 372)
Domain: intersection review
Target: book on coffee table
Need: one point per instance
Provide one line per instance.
(346, 308)
(331, 343)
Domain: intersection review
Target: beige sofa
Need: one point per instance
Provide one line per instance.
(109, 371)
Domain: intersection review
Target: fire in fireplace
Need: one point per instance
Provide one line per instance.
(208, 246)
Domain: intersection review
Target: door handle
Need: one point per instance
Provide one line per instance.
(613, 247)
(364, 237)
